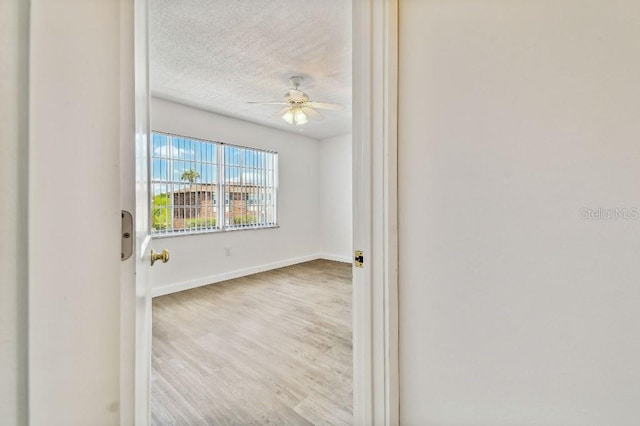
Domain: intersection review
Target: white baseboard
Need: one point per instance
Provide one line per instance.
(212, 279)
(335, 258)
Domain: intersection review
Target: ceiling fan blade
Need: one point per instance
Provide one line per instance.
(312, 113)
(280, 113)
(269, 103)
(324, 105)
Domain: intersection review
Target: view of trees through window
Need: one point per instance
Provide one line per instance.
(189, 177)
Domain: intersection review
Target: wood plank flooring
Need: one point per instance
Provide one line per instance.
(271, 348)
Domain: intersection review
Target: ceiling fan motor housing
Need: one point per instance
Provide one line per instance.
(294, 96)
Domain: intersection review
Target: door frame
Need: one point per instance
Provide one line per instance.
(375, 227)
(375, 286)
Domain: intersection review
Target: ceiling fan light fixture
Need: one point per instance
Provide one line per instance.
(295, 116)
(300, 117)
(288, 116)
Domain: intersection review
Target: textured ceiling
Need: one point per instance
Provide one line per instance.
(220, 54)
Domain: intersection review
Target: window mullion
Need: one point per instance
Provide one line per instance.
(264, 182)
(170, 179)
(221, 188)
(243, 211)
(275, 188)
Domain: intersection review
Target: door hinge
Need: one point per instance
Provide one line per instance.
(126, 235)
(358, 259)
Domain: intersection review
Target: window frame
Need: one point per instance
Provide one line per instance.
(222, 201)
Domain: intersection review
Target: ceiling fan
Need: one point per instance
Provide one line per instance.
(298, 107)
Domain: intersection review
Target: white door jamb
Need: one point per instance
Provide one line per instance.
(375, 294)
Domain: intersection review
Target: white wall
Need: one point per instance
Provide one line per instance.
(200, 259)
(14, 41)
(336, 198)
(513, 117)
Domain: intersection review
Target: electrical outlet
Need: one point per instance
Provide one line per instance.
(227, 251)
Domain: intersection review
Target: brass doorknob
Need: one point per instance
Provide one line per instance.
(164, 256)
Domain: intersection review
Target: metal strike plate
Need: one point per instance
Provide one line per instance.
(126, 235)
(358, 259)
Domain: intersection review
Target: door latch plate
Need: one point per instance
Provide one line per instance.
(126, 235)
(358, 259)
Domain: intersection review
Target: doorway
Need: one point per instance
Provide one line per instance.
(374, 291)
(313, 202)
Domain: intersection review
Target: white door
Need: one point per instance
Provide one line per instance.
(143, 307)
(74, 212)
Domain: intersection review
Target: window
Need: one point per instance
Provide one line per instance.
(189, 176)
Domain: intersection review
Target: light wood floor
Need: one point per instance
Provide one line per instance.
(272, 348)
